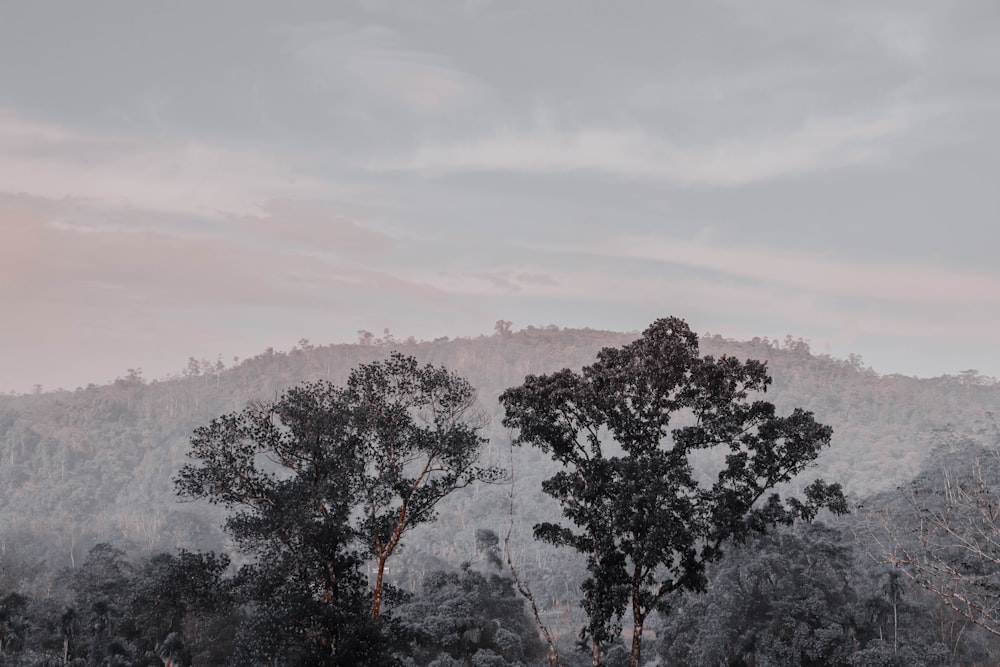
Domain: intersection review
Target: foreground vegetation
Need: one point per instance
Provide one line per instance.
(710, 586)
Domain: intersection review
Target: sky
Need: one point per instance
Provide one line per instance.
(207, 180)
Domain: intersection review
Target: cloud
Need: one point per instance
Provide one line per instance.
(758, 290)
(77, 289)
(908, 37)
(120, 172)
(537, 278)
(600, 283)
(634, 153)
(910, 283)
(318, 226)
(56, 275)
(23, 244)
(370, 63)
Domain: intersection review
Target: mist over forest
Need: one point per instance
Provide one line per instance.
(92, 522)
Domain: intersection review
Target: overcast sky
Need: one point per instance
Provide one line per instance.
(204, 178)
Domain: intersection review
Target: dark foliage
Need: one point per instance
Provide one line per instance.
(322, 478)
(644, 521)
(95, 465)
(470, 616)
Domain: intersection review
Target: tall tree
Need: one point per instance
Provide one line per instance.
(625, 429)
(286, 471)
(324, 477)
(418, 440)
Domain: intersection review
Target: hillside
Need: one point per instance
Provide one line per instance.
(97, 464)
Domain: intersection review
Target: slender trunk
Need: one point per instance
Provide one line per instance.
(377, 598)
(895, 631)
(522, 586)
(638, 622)
(638, 614)
(597, 653)
(385, 552)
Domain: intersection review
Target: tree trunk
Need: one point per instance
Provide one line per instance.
(377, 597)
(895, 630)
(383, 553)
(597, 654)
(638, 614)
(636, 640)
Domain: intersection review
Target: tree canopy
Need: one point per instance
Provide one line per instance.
(325, 477)
(625, 429)
(943, 532)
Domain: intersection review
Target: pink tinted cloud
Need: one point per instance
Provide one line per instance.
(52, 271)
(119, 172)
(76, 290)
(22, 244)
(317, 225)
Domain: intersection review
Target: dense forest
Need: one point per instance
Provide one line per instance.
(103, 562)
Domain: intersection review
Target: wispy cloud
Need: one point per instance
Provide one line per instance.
(55, 276)
(320, 227)
(371, 63)
(119, 172)
(835, 308)
(905, 282)
(637, 153)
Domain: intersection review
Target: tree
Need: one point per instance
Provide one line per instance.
(893, 592)
(418, 441)
(175, 592)
(625, 429)
(785, 599)
(69, 625)
(322, 478)
(102, 586)
(943, 533)
(173, 652)
(799, 598)
(13, 625)
(287, 472)
(470, 617)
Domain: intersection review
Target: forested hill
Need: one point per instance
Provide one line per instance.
(97, 464)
